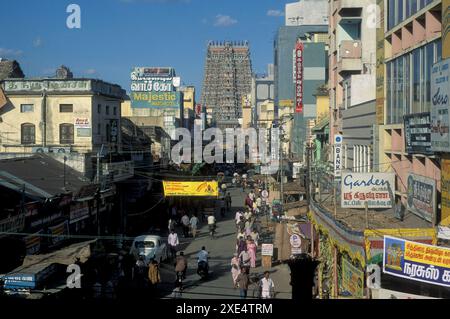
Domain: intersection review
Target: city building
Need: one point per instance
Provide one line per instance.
(262, 91)
(188, 106)
(227, 80)
(306, 12)
(314, 75)
(70, 118)
(352, 80)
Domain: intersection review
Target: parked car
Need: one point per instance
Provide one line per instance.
(151, 246)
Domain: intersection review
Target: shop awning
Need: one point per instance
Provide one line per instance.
(323, 123)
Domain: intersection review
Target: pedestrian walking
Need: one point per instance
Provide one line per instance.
(172, 224)
(241, 245)
(154, 276)
(173, 243)
(267, 286)
(242, 281)
(194, 225)
(185, 222)
(228, 202)
(245, 260)
(255, 236)
(235, 268)
(251, 249)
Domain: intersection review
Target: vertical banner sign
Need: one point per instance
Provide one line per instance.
(416, 261)
(422, 196)
(445, 191)
(440, 117)
(338, 155)
(299, 77)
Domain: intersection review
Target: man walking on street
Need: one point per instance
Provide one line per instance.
(267, 286)
(194, 224)
(173, 242)
(185, 222)
(243, 281)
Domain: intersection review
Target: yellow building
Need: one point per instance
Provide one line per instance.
(60, 116)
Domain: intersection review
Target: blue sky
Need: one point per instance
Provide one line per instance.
(116, 35)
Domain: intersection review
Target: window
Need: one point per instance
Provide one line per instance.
(26, 108)
(66, 108)
(66, 133)
(99, 108)
(108, 133)
(28, 133)
(115, 110)
(99, 128)
(107, 110)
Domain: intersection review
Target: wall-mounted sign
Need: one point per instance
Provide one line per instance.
(352, 279)
(416, 261)
(299, 77)
(440, 104)
(155, 99)
(418, 133)
(422, 196)
(338, 165)
(178, 188)
(377, 189)
(267, 250)
(296, 241)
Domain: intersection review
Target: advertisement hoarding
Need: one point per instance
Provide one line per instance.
(155, 99)
(176, 188)
(440, 117)
(422, 196)
(377, 189)
(445, 190)
(352, 279)
(299, 77)
(418, 134)
(416, 261)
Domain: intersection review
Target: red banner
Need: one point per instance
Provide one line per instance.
(299, 77)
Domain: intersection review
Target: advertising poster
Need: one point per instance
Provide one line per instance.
(33, 243)
(377, 189)
(440, 117)
(422, 196)
(416, 261)
(418, 134)
(175, 188)
(352, 279)
(299, 77)
(445, 191)
(59, 232)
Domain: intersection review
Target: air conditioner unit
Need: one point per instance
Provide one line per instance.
(40, 150)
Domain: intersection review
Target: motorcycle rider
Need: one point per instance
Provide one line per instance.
(202, 260)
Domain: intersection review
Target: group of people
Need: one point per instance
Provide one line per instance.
(244, 258)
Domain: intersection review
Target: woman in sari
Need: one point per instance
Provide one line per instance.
(235, 268)
(251, 249)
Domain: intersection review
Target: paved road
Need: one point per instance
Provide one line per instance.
(219, 285)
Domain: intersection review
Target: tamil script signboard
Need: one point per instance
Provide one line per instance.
(416, 261)
(422, 196)
(299, 77)
(418, 134)
(440, 118)
(352, 279)
(377, 189)
(176, 188)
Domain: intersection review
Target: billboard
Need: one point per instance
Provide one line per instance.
(418, 133)
(176, 188)
(422, 196)
(155, 99)
(440, 118)
(299, 77)
(377, 189)
(352, 279)
(445, 191)
(416, 261)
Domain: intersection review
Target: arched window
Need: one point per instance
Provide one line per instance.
(66, 133)
(28, 134)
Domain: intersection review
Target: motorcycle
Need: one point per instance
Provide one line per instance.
(203, 269)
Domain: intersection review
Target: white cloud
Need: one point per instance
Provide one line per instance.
(90, 71)
(275, 13)
(37, 42)
(224, 21)
(10, 52)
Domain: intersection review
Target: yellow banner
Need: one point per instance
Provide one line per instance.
(426, 254)
(175, 188)
(445, 191)
(286, 103)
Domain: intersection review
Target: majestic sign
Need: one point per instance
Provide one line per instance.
(338, 139)
(155, 99)
(377, 189)
(416, 261)
(418, 134)
(422, 196)
(352, 279)
(445, 191)
(440, 117)
(299, 77)
(175, 188)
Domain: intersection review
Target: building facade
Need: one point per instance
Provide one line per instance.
(227, 80)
